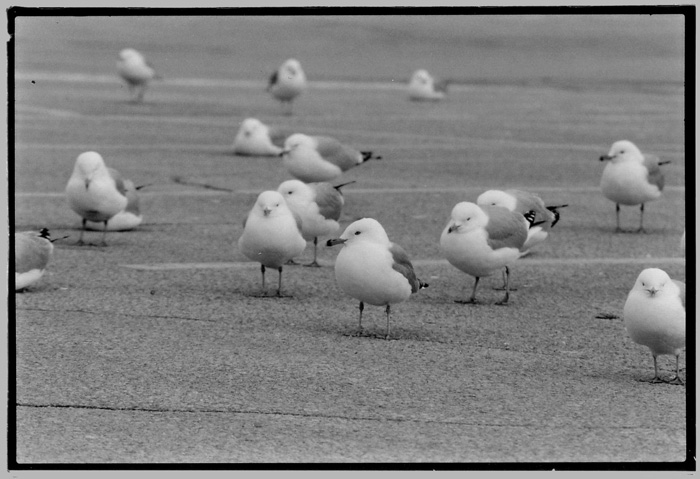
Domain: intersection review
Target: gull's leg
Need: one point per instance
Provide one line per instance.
(80, 238)
(641, 219)
(279, 282)
(262, 270)
(104, 234)
(472, 299)
(314, 263)
(362, 307)
(617, 215)
(677, 379)
(656, 378)
(505, 298)
(388, 310)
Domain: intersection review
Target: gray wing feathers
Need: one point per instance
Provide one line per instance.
(297, 218)
(402, 264)
(506, 229)
(681, 286)
(329, 200)
(277, 136)
(655, 176)
(31, 252)
(335, 152)
(118, 180)
(529, 202)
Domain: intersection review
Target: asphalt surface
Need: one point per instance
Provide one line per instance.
(155, 350)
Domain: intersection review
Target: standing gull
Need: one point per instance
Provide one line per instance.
(254, 138)
(288, 82)
(480, 240)
(423, 86)
(523, 202)
(127, 219)
(654, 316)
(95, 192)
(631, 178)
(33, 251)
(271, 235)
(372, 269)
(318, 205)
(320, 158)
(136, 72)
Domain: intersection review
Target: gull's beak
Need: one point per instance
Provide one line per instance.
(335, 241)
(283, 152)
(266, 211)
(652, 291)
(453, 227)
(606, 157)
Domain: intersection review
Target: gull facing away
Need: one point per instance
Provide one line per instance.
(318, 205)
(136, 72)
(631, 178)
(33, 251)
(480, 240)
(524, 202)
(127, 219)
(372, 269)
(423, 86)
(271, 235)
(254, 138)
(288, 82)
(320, 158)
(95, 192)
(654, 316)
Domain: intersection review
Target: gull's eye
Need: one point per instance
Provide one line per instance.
(357, 233)
(643, 283)
(276, 205)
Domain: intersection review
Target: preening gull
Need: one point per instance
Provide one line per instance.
(95, 192)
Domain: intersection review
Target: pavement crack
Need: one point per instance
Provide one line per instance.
(85, 311)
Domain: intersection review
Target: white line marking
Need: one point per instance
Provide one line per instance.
(419, 262)
(361, 191)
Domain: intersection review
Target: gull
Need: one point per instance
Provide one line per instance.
(523, 202)
(320, 158)
(480, 240)
(136, 72)
(372, 269)
(654, 316)
(33, 251)
(95, 192)
(288, 82)
(631, 178)
(127, 219)
(271, 235)
(254, 138)
(422, 86)
(318, 205)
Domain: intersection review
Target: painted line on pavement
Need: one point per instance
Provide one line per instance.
(419, 262)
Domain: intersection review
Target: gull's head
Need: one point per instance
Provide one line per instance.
(366, 229)
(466, 217)
(296, 141)
(295, 191)
(129, 54)
(250, 126)
(497, 198)
(623, 150)
(270, 204)
(292, 68)
(653, 282)
(421, 77)
(87, 165)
